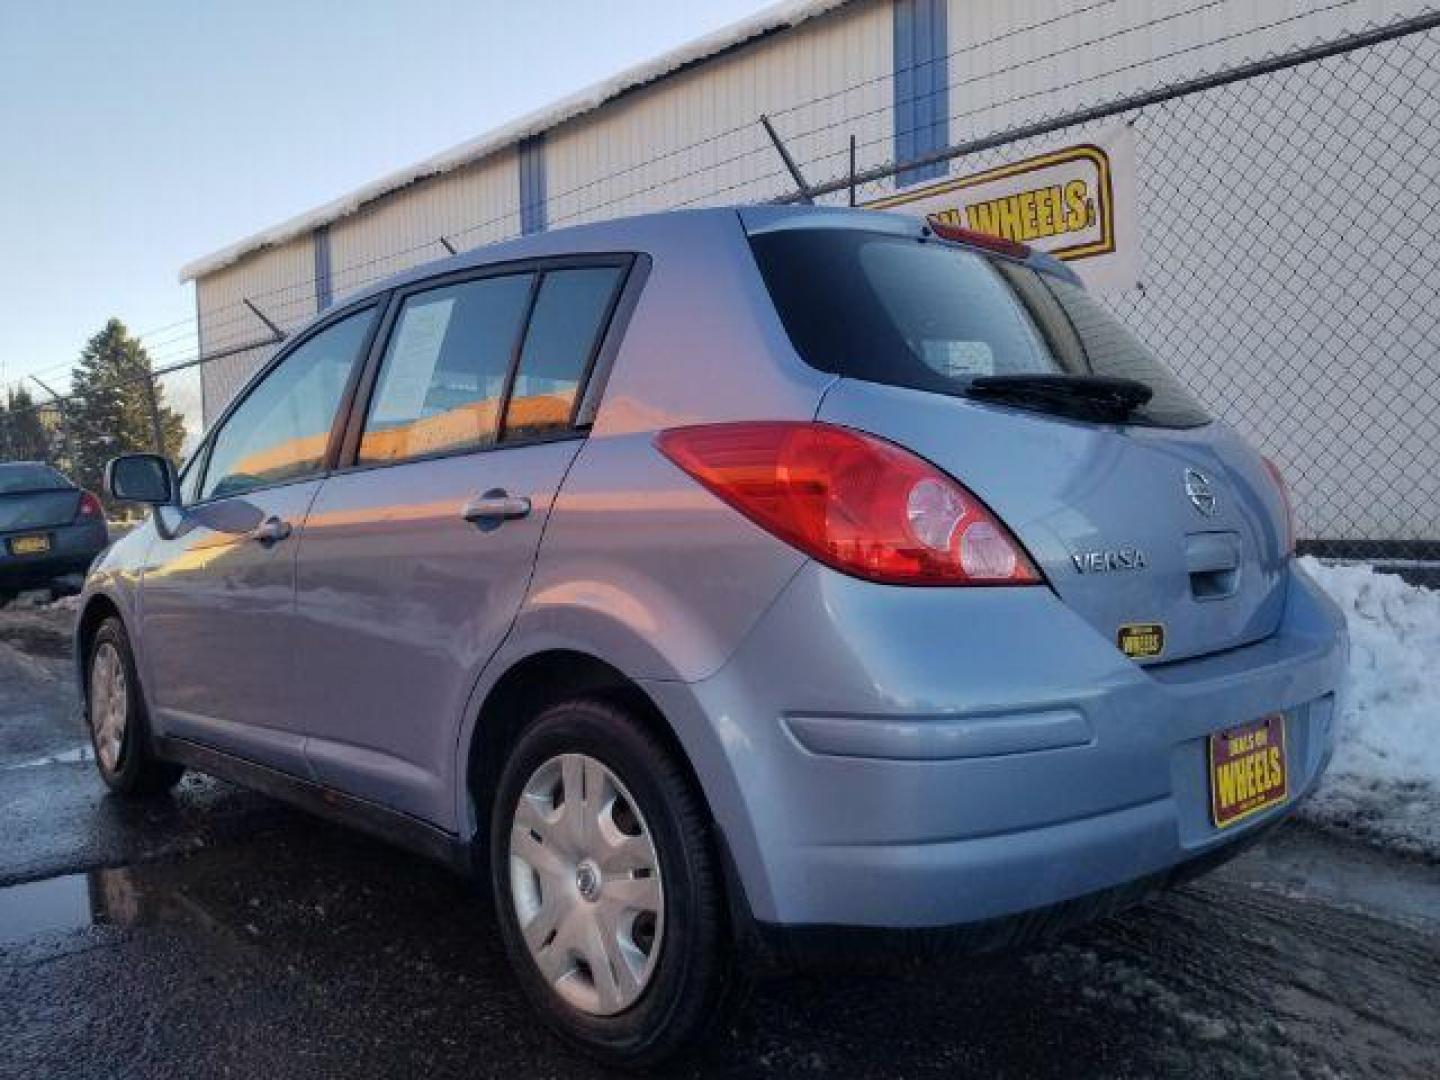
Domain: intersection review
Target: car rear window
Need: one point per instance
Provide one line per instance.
(932, 316)
(28, 477)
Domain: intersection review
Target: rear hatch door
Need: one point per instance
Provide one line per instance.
(1145, 514)
(1117, 518)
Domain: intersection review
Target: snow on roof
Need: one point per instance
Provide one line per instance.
(776, 17)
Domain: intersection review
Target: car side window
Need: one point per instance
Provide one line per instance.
(444, 370)
(564, 332)
(280, 431)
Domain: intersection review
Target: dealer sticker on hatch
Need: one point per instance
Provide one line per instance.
(1247, 769)
(1141, 640)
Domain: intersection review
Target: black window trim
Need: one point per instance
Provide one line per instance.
(375, 303)
(582, 409)
(597, 374)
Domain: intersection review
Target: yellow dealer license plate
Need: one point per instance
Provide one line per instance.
(29, 545)
(1247, 769)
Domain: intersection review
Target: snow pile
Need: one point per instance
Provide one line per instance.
(1384, 782)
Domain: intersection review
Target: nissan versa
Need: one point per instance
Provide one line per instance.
(727, 583)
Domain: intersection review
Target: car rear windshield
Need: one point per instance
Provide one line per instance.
(932, 316)
(15, 478)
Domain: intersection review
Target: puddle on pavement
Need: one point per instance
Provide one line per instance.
(69, 903)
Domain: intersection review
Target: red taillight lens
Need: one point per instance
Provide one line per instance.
(961, 235)
(1274, 471)
(854, 502)
(89, 506)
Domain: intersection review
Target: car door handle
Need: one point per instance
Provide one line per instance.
(494, 507)
(270, 531)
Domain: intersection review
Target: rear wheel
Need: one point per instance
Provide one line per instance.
(119, 726)
(606, 886)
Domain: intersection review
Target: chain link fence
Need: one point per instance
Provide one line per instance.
(1292, 279)
(1290, 248)
(1289, 243)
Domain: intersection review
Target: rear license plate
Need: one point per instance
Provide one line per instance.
(1247, 769)
(29, 545)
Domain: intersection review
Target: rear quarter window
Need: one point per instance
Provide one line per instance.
(570, 315)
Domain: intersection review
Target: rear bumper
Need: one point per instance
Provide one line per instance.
(818, 947)
(72, 549)
(896, 758)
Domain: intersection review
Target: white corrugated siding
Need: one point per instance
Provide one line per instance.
(280, 282)
(695, 139)
(1016, 62)
(474, 205)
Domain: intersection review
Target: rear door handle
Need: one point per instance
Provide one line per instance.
(270, 531)
(495, 506)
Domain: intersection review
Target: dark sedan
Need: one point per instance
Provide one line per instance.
(48, 526)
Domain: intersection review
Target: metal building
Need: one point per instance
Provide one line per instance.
(1260, 128)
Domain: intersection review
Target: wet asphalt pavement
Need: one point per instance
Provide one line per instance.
(218, 933)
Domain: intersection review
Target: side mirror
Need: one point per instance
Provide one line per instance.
(141, 478)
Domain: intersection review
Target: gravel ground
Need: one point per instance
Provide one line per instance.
(218, 933)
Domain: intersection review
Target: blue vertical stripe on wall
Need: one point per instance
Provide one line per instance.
(921, 90)
(324, 293)
(532, 184)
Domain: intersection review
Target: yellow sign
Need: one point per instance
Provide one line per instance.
(1072, 202)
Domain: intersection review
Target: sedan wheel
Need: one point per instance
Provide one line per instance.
(119, 726)
(586, 884)
(109, 704)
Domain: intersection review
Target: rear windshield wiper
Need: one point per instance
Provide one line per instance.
(1086, 397)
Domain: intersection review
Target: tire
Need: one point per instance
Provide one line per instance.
(116, 718)
(659, 999)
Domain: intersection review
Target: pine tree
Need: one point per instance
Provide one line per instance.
(110, 409)
(22, 434)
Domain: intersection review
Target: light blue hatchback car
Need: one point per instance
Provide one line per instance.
(732, 581)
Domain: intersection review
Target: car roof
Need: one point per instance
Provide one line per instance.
(652, 232)
(640, 232)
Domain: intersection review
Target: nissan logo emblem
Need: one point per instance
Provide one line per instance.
(1202, 495)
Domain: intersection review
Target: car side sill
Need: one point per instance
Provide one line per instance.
(378, 821)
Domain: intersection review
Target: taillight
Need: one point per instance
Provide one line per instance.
(89, 507)
(1274, 471)
(854, 502)
(975, 238)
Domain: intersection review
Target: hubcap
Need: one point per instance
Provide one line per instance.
(109, 704)
(586, 884)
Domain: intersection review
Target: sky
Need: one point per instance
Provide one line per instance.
(135, 137)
